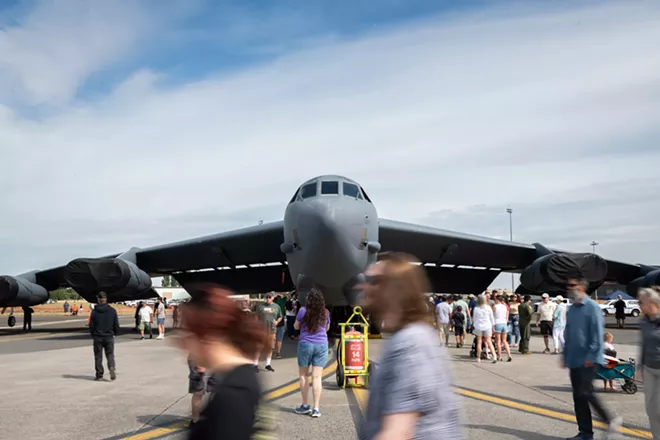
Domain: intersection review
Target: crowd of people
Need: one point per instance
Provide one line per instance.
(410, 390)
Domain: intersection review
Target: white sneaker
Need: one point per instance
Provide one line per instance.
(160, 337)
(614, 430)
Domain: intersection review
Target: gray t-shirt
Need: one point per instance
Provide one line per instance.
(414, 375)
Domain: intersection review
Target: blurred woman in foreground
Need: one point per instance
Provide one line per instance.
(410, 395)
(224, 339)
(649, 300)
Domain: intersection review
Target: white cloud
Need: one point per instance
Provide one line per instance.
(488, 109)
(47, 56)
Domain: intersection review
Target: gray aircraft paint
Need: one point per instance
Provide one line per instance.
(327, 237)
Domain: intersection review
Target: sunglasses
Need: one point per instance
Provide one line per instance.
(571, 285)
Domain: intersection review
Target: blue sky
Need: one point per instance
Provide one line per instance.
(132, 125)
(198, 38)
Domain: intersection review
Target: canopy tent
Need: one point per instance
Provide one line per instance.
(615, 295)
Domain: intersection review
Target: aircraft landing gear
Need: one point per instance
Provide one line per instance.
(11, 321)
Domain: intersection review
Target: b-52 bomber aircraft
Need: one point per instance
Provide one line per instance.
(329, 235)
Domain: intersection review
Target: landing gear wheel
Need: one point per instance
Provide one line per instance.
(341, 377)
(11, 321)
(629, 387)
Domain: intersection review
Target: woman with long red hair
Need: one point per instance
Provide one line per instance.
(224, 339)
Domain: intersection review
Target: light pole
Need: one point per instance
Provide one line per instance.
(510, 212)
(593, 245)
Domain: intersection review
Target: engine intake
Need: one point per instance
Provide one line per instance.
(648, 280)
(18, 292)
(550, 273)
(121, 280)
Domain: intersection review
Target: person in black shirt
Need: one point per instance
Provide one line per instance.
(104, 326)
(458, 321)
(225, 340)
(27, 318)
(620, 312)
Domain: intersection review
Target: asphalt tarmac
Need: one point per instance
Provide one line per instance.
(54, 332)
(529, 398)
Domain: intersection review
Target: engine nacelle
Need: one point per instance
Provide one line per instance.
(549, 273)
(18, 292)
(648, 280)
(121, 280)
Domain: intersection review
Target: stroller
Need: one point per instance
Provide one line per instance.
(619, 370)
(473, 350)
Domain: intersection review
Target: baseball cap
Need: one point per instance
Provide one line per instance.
(269, 295)
(101, 295)
(559, 298)
(545, 295)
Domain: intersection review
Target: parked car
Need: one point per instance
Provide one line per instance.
(632, 307)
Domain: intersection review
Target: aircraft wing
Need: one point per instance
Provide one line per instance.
(469, 263)
(246, 260)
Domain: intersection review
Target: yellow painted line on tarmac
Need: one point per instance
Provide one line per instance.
(159, 432)
(270, 396)
(544, 412)
(362, 396)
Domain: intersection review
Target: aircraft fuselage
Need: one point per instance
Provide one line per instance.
(330, 237)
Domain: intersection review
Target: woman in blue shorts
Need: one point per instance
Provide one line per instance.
(313, 321)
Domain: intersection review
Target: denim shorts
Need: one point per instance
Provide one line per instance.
(315, 355)
(501, 328)
(279, 333)
(160, 321)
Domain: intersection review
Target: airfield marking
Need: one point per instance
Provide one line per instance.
(361, 396)
(271, 396)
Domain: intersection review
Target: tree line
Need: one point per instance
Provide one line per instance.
(169, 281)
(64, 294)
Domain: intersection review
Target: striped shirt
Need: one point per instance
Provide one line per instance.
(414, 375)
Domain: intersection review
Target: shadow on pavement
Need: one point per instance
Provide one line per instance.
(41, 330)
(525, 435)
(160, 419)
(568, 389)
(76, 376)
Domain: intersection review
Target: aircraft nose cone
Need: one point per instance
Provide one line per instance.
(316, 219)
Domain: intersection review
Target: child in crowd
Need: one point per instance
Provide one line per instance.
(608, 350)
(458, 321)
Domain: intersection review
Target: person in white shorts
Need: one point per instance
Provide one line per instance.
(501, 314)
(442, 313)
(484, 324)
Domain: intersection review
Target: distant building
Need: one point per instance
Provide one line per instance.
(172, 293)
(608, 288)
(179, 294)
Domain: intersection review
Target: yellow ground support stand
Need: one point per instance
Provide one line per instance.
(358, 332)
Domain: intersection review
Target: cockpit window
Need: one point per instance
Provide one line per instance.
(351, 190)
(293, 199)
(365, 195)
(308, 190)
(329, 187)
